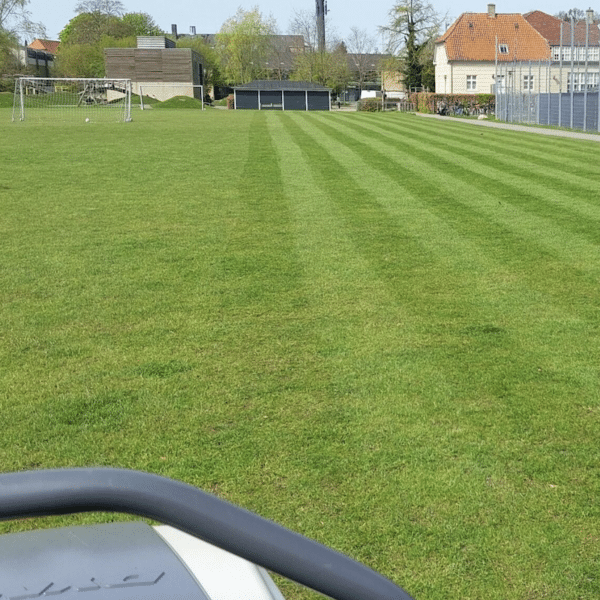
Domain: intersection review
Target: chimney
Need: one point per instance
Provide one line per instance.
(174, 30)
(589, 13)
(492, 11)
(192, 30)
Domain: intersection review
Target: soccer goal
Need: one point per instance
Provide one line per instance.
(165, 91)
(69, 99)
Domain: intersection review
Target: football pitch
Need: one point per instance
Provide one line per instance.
(378, 330)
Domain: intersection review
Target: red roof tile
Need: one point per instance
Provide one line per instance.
(549, 27)
(473, 36)
(47, 45)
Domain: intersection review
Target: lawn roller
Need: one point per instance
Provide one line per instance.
(206, 549)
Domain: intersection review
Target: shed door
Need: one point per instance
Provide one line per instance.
(295, 100)
(246, 99)
(318, 100)
(271, 100)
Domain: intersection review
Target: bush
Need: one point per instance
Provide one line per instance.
(230, 102)
(7, 84)
(369, 105)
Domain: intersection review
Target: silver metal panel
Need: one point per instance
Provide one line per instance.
(115, 561)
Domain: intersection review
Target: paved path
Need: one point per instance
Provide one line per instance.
(539, 130)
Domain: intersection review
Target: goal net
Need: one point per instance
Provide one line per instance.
(165, 91)
(68, 99)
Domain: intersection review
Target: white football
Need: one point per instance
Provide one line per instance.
(87, 120)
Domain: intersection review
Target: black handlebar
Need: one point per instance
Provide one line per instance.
(67, 491)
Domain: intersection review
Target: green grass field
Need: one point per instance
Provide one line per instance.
(379, 330)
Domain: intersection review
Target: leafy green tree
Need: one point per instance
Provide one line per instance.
(140, 23)
(84, 38)
(414, 24)
(14, 20)
(81, 60)
(100, 24)
(8, 46)
(88, 28)
(243, 44)
(328, 68)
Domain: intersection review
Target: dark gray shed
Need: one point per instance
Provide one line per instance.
(282, 95)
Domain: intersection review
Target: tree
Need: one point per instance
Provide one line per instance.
(81, 60)
(140, 23)
(112, 8)
(84, 38)
(88, 28)
(304, 23)
(94, 19)
(328, 68)
(15, 19)
(413, 25)
(8, 46)
(361, 47)
(243, 45)
(577, 14)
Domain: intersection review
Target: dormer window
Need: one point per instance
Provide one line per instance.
(503, 48)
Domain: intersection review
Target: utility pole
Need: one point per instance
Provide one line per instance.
(321, 12)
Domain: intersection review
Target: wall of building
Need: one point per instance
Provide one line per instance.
(181, 65)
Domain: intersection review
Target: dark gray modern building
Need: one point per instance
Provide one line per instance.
(282, 95)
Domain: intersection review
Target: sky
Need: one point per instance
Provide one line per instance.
(208, 16)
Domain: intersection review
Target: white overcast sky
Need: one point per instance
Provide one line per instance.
(208, 16)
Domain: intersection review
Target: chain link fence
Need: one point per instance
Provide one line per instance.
(548, 94)
(562, 91)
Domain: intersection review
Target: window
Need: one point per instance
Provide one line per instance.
(527, 83)
(578, 54)
(503, 48)
(471, 82)
(500, 83)
(579, 82)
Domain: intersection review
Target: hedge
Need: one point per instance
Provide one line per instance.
(369, 104)
(428, 102)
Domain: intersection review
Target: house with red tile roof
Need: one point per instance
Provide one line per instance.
(38, 57)
(49, 46)
(467, 55)
(574, 48)
(546, 53)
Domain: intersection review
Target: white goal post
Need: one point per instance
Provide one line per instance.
(165, 91)
(72, 99)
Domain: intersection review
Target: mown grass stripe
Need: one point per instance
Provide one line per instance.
(570, 156)
(459, 179)
(563, 191)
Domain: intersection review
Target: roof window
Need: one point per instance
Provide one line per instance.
(503, 48)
